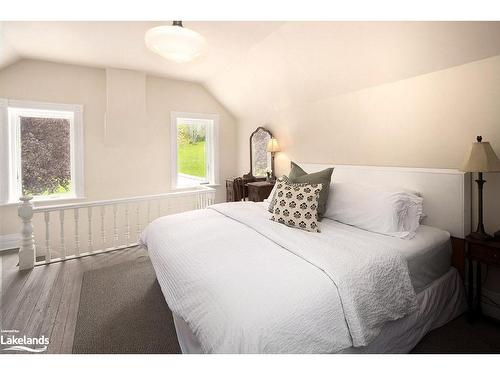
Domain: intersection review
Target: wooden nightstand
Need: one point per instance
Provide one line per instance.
(258, 191)
(481, 252)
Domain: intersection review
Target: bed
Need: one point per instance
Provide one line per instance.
(238, 283)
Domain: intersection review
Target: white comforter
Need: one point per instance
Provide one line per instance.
(245, 284)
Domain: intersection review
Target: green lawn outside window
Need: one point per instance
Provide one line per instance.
(191, 159)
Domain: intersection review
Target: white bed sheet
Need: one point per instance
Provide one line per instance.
(442, 301)
(428, 254)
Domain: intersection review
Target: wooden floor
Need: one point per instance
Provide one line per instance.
(44, 300)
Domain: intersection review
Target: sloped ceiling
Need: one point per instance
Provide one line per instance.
(259, 67)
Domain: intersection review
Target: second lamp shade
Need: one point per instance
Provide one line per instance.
(481, 158)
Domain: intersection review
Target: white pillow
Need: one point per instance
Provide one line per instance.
(394, 212)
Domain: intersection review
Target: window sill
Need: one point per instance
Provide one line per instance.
(45, 202)
(174, 188)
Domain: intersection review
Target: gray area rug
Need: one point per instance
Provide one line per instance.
(122, 310)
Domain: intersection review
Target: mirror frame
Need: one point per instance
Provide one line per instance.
(250, 175)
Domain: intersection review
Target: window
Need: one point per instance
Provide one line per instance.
(43, 151)
(194, 158)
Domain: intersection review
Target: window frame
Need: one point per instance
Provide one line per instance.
(10, 157)
(212, 154)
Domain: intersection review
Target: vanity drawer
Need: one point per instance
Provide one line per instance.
(258, 191)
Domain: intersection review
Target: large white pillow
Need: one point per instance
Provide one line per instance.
(394, 212)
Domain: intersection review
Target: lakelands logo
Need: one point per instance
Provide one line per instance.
(23, 343)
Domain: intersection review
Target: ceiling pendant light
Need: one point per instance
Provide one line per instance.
(175, 42)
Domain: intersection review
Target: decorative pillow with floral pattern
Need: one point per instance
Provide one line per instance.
(284, 180)
(297, 206)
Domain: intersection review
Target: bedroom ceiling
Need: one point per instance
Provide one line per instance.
(259, 67)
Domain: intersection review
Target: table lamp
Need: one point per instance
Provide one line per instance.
(481, 158)
(273, 147)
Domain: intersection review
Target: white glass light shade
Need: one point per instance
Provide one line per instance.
(175, 43)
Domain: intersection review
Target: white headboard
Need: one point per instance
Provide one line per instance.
(446, 192)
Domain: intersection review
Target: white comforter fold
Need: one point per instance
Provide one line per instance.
(246, 284)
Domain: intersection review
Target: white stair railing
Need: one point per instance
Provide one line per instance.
(68, 231)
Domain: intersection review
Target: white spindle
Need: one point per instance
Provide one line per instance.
(138, 218)
(27, 249)
(148, 218)
(48, 255)
(169, 209)
(103, 232)
(127, 224)
(159, 208)
(115, 227)
(76, 215)
(61, 222)
(89, 220)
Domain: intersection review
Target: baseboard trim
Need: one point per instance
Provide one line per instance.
(9, 241)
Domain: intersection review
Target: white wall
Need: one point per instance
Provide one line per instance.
(123, 155)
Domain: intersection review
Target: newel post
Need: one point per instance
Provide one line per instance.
(27, 249)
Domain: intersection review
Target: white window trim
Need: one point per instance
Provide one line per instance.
(8, 191)
(173, 144)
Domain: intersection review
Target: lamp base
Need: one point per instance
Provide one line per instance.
(480, 236)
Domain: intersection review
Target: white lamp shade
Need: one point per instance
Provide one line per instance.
(273, 146)
(175, 43)
(481, 158)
